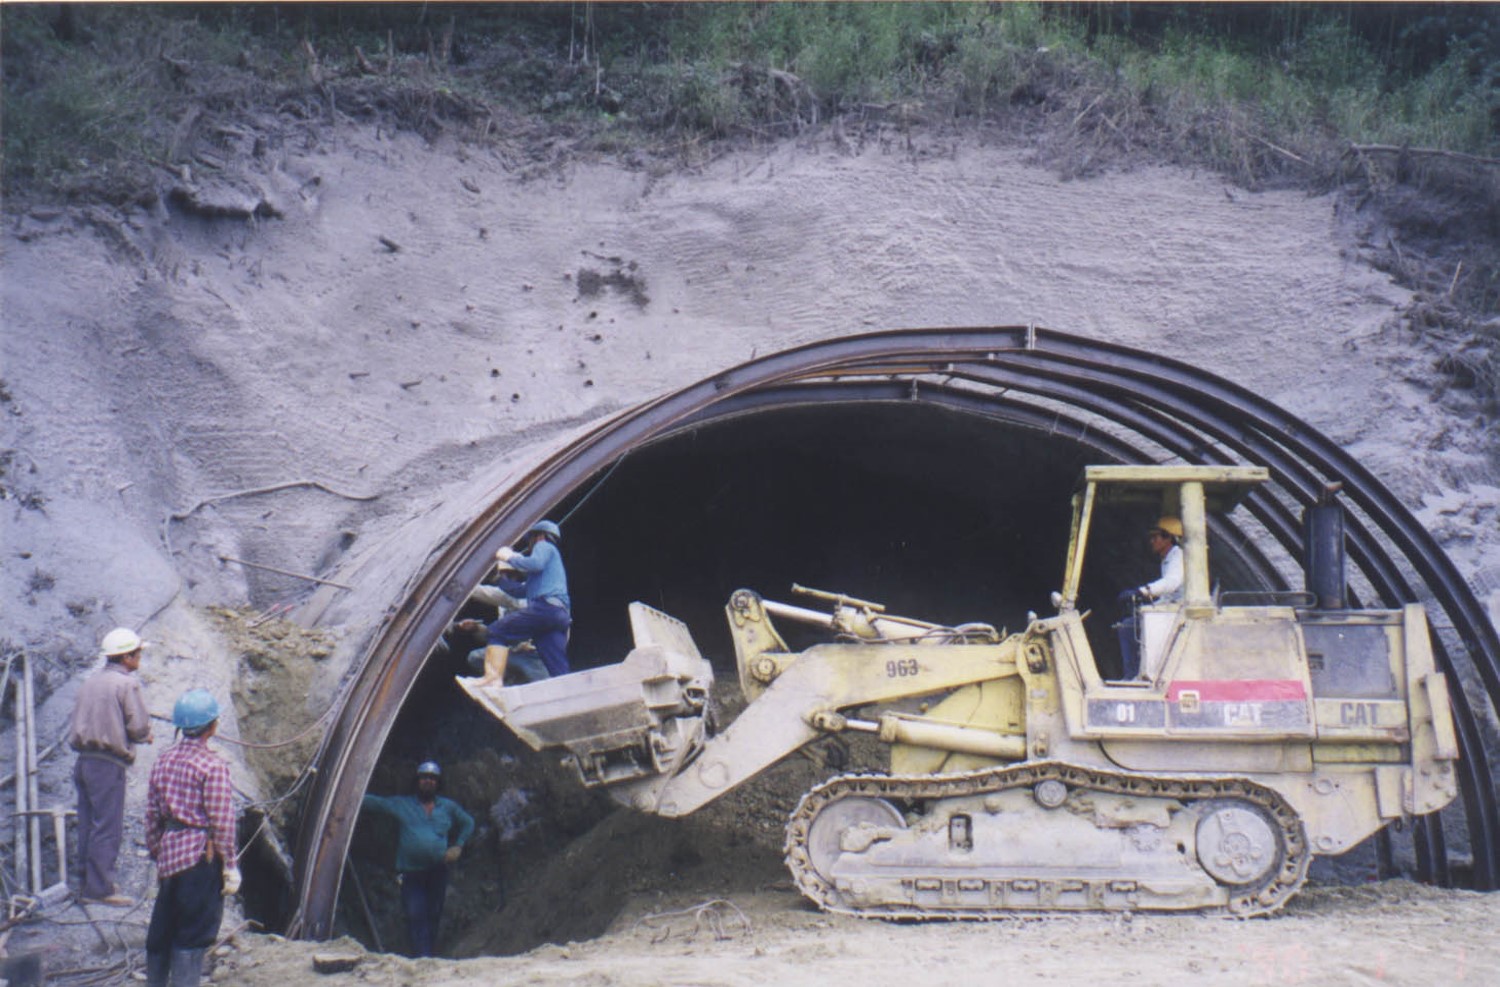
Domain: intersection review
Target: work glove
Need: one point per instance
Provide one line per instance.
(231, 881)
(505, 554)
(452, 854)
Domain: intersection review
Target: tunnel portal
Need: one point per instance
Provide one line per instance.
(936, 513)
(927, 469)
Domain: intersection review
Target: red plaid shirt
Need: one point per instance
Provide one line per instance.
(189, 784)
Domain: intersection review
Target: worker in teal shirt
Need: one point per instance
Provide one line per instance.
(434, 830)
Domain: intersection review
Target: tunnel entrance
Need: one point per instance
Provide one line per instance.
(942, 515)
(842, 430)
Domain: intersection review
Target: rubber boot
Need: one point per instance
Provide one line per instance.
(495, 657)
(158, 965)
(187, 967)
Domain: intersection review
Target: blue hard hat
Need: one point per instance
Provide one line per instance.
(429, 768)
(195, 709)
(547, 528)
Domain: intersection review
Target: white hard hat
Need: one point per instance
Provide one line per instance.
(120, 641)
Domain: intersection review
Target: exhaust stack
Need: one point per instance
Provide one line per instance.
(1323, 540)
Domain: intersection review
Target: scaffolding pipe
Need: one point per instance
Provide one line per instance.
(33, 796)
(22, 857)
(59, 817)
(60, 833)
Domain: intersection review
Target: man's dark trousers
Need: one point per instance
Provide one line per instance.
(100, 782)
(422, 894)
(184, 923)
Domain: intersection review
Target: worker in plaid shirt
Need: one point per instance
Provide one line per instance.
(190, 835)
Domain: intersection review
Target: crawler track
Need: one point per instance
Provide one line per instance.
(1092, 890)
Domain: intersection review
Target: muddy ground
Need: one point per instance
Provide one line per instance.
(1390, 933)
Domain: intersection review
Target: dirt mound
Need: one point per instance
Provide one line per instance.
(629, 864)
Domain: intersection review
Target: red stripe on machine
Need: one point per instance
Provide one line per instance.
(1239, 690)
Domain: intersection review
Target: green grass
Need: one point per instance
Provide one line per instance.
(1301, 77)
(74, 111)
(88, 112)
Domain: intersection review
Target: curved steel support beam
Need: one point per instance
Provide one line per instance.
(1173, 405)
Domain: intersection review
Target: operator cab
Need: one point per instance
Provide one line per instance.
(1205, 669)
(1189, 493)
(1208, 671)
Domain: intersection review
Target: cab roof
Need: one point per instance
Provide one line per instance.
(1223, 486)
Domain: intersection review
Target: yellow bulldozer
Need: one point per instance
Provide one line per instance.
(1256, 734)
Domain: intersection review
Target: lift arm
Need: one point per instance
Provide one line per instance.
(804, 702)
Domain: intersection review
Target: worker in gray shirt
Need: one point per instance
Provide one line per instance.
(108, 721)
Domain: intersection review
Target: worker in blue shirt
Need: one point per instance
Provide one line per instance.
(433, 831)
(547, 616)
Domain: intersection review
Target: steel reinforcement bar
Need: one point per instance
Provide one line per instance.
(1190, 413)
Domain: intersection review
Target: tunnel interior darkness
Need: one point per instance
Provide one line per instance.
(938, 514)
(935, 514)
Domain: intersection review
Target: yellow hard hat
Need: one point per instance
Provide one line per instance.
(1170, 525)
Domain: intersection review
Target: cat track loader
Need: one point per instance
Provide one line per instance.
(1257, 736)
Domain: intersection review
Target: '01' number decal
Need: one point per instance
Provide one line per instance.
(901, 669)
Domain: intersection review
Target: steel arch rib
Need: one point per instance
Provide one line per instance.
(399, 649)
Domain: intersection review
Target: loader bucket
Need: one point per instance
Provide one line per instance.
(639, 718)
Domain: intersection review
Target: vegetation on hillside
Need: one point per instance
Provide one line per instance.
(1397, 100)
